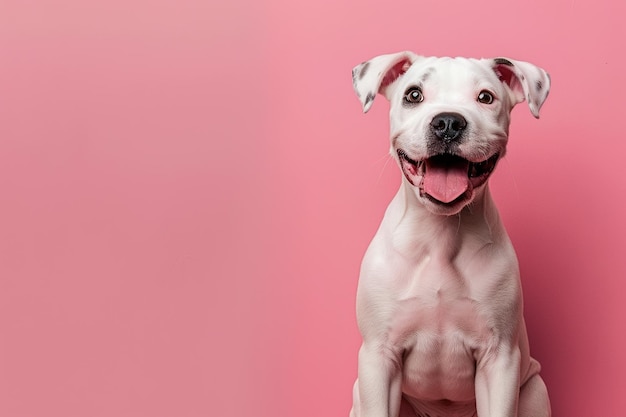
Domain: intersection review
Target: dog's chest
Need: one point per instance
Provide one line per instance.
(438, 327)
(439, 324)
(415, 300)
(432, 312)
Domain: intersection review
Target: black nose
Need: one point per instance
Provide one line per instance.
(448, 126)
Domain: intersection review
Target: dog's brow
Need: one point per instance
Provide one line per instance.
(427, 74)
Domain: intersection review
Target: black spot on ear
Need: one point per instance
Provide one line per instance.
(539, 85)
(364, 69)
(502, 61)
(369, 98)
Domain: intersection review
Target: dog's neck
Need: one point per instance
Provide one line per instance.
(474, 227)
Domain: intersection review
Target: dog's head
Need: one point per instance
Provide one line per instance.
(449, 118)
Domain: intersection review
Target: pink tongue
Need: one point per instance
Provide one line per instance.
(446, 182)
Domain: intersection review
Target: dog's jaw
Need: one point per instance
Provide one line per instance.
(462, 179)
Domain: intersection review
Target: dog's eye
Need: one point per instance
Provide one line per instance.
(413, 95)
(485, 97)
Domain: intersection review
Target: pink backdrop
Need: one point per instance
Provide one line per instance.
(187, 188)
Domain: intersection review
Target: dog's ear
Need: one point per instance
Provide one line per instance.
(373, 76)
(526, 81)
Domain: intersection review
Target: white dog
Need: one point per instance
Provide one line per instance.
(439, 302)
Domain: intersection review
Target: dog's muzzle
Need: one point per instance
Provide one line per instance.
(446, 178)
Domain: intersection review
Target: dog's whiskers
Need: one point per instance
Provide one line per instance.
(386, 158)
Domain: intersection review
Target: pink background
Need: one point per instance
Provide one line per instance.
(187, 188)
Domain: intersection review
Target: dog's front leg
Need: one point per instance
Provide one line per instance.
(497, 382)
(380, 381)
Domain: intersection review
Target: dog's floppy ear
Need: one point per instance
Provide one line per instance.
(526, 81)
(373, 76)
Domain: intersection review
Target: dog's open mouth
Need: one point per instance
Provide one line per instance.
(446, 178)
